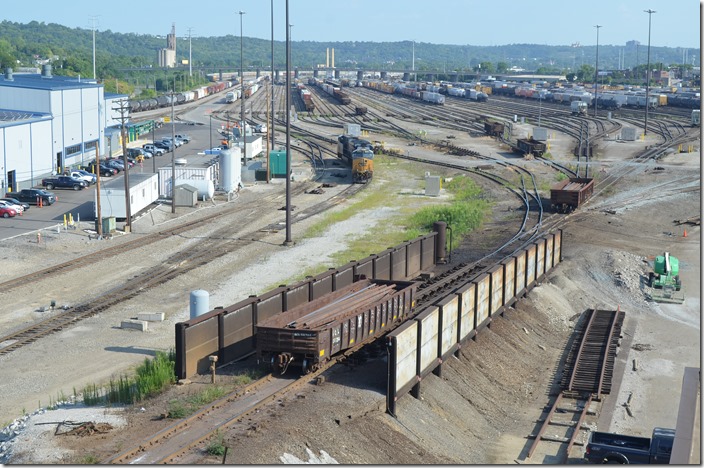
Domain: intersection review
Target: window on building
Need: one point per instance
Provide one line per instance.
(71, 150)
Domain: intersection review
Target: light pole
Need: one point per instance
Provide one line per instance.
(273, 110)
(244, 140)
(211, 131)
(288, 240)
(173, 156)
(596, 72)
(647, 72)
(413, 59)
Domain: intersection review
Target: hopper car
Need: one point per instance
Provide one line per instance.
(358, 154)
(308, 335)
(571, 193)
(495, 129)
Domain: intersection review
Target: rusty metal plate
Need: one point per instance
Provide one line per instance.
(427, 251)
(201, 341)
(413, 258)
(238, 333)
(398, 263)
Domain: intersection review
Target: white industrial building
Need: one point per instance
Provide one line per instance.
(144, 190)
(49, 123)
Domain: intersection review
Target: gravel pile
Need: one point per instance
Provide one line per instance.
(32, 439)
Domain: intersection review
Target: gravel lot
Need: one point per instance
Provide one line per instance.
(482, 408)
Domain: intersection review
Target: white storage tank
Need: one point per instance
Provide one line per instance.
(230, 169)
(200, 303)
(206, 187)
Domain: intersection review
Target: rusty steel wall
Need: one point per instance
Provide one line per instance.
(449, 324)
(496, 290)
(539, 259)
(234, 327)
(237, 333)
(467, 299)
(446, 325)
(483, 285)
(509, 265)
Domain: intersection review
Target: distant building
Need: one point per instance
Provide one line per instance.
(662, 77)
(632, 43)
(167, 57)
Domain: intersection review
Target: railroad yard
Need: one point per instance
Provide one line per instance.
(489, 400)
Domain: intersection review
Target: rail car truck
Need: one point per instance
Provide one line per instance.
(605, 447)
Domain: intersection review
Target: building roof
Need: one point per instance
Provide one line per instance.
(136, 178)
(11, 117)
(51, 83)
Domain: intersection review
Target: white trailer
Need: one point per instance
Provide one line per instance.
(578, 107)
(144, 190)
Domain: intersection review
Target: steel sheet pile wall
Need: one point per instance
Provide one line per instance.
(444, 327)
(230, 333)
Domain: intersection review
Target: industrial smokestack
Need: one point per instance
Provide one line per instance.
(333, 57)
(327, 57)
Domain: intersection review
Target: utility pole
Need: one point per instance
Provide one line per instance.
(242, 120)
(273, 111)
(99, 224)
(124, 110)
(596, 72)
(288, 240)
(190, 67)
(93, 19)
(173, 156)
(647, 73)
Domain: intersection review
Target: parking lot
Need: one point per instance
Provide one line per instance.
(80, 204)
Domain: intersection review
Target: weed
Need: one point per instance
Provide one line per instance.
(89, 460)
(216, 446)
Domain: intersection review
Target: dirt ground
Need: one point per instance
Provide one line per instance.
(486, 402)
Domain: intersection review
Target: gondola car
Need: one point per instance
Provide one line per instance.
(310, 334)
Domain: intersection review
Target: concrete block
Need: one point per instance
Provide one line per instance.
(140, 325)
(153, 317)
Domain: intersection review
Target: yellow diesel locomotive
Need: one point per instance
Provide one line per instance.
(359, 155)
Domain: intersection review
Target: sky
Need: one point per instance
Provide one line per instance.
(675, 23)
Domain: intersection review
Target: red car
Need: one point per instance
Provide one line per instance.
(7, 212)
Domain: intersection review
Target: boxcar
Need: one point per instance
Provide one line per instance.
(310, 334)
(571, 193)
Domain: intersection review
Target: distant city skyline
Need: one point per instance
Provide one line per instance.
(460, 22)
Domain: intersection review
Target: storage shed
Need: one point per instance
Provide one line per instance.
(144, 190)
(185, 195)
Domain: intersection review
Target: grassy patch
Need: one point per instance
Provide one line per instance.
(217, 445)
(152, 377)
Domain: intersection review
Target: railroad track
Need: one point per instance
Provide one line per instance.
(205, 250)
(587, 376)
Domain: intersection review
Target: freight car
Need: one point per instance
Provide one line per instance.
(358, 154)
(495, 129)
(531, 146)
(571, 193)
(310, 334)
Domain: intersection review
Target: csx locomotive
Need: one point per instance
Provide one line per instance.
(359, 155)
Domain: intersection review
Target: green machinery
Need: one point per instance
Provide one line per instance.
(665, 280)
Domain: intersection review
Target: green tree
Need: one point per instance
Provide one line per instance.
(502, 67)
(586, 73)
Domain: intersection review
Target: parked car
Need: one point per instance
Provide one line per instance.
(105, 171)
(8, 212)
(136, 152)
(155, 150)
(115, 164)
(184, 137)
(166, 146)
(87, 177)
(175, 141)
(14, 201)
(64, 182)
(32, 195)
(14, 206)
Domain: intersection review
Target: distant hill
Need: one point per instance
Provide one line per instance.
(71, 51)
